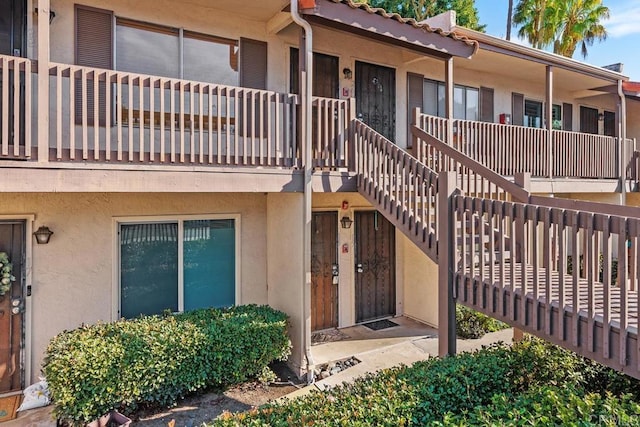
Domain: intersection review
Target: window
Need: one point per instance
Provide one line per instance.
(169, 52)
(533, 114)
(465, 100)
(177, 265)
(556, 115)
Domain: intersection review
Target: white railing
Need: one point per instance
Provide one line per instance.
(105, 115)
(15, 107)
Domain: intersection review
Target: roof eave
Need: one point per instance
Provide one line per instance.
(498, 45)
(382, 26)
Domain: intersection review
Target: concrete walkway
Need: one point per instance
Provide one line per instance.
(384, 350)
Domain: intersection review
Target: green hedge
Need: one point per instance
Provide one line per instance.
(471, 324)
(487, 387)
(159, 359)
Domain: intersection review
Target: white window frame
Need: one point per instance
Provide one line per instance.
(180, 219)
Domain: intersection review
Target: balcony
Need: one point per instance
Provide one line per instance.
(547, 155)
(105, 117)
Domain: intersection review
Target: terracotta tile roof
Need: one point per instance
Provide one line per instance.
(633, 87)
(409, 21)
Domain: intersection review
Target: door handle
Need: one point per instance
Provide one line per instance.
(359, 268)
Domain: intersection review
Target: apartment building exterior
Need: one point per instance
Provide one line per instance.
(165, 145)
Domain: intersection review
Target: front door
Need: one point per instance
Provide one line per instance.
(376, 97)
(12, 241)
(324, 271)
(375, 267)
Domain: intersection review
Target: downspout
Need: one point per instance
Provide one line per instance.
(623, 143)
(306, 88)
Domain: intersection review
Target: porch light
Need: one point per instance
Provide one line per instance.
(346, 222)
(348, 74)
(43, 235)
(600, 117)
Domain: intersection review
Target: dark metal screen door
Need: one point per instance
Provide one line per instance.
(324, 270)
(375, 269)
(12, 241)
(376, 97)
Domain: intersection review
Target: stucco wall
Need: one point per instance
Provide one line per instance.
(73, 274)
(285, 269)
(420, 282)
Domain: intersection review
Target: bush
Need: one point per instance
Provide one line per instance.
(498, 385)
(471, 324)
(159, 359)
(550, 406)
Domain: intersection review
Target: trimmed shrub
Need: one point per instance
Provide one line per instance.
(471, 324)
(159, 359)
(550, 406)
(498, 385)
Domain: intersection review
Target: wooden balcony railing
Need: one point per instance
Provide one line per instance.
(332, 119)
(16, 96)
(104, 115)
(508, 149)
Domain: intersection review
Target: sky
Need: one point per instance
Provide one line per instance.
(623, 26)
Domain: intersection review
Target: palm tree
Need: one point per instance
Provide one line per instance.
(563, 24)
(509, 19)
(581, 24)
(536, 27)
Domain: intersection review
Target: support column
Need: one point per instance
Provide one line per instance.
(446, 248)
(548, 114)
(43, 48)
(448, 98)
(622, 133)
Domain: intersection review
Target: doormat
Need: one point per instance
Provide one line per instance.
(380, 324)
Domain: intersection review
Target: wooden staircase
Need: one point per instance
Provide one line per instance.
(563, 270)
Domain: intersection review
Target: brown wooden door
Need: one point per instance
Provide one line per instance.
(375, 267)
(324, 271)
(12, 241)
(376, 97)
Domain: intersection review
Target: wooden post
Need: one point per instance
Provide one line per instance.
(43, 80)
(549, 116)
(351, 144)
(415, 121)
(448, 98)
(446, 248)
(523, 179)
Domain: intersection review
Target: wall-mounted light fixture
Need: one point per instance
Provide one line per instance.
(43, 235)
(601, 117)
(346, 222)
(348, 74)
(52, 15)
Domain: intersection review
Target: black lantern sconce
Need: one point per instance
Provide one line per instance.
(348, 74)
(346, 222)
(601, 117)
(43, 235)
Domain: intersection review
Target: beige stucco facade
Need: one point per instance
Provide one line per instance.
(74, 277)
